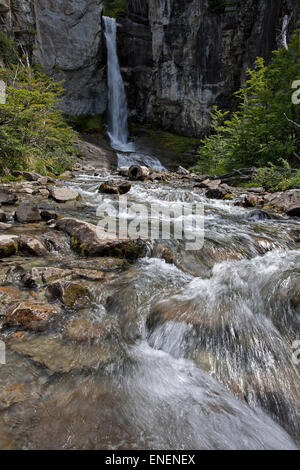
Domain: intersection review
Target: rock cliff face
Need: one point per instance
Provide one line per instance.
(66, 38)
(180, 57)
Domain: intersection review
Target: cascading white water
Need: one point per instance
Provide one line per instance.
(117, 106)
(117, 103)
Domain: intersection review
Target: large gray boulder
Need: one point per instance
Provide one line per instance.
(87, 240)
(27, 212)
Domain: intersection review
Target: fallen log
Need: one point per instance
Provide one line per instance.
(137, 172)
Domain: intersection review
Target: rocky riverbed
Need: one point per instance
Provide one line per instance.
(137, 343)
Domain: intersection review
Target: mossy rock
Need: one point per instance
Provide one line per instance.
(9, 245)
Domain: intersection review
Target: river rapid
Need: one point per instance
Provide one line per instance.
(200, 349)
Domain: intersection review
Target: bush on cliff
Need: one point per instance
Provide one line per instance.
(261, 130)
(112, 7)
(33, 133)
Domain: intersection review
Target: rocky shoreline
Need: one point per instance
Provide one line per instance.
(54, 267)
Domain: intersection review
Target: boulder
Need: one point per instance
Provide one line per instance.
(86, 239)
(286, 201)
(44, 192)
(61, 356)
(182, 171)
(27, 175)
(138, 173)
(4, 226)
(7, 198)
(66, 175)
(9, 245)
(29, 315)
(84, 330)
(12, 393)
(294, 211)
(252, 200)
(209, 184)
(71, 294)
(27, 212)
(37, 277)
(43, 180)
(111, 187)
(3, 216)
(216, 192)
(56, 241)
(48, 215)
(32, 246)
(64, 194)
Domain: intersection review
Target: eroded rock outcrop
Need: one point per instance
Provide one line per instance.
(65, 37)
(180, 57)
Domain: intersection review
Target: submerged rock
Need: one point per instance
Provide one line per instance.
(11, 394)
(62, 356)
(84, 330)
(71, 294)
(85, 240)
(37, 277)
(30, 315)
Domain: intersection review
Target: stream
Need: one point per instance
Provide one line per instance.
(198, 353)
(179, 350)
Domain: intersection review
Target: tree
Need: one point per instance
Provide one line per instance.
(33, 133)
(262, 129)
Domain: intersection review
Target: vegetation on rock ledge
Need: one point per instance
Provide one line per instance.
(112, 7)
(33, 132)
(264, 129)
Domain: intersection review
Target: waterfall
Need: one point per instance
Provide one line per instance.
(117, 103)
(128, 154)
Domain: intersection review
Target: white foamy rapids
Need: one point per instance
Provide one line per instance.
(178, 406)
(240, 325)
(130, 157)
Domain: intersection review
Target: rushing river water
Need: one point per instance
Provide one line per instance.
(200, 350)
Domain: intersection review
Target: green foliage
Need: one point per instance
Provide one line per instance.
(112, 7)
(259, 131)
(88, 124)
(278, 178)
(33, 133)
(179, 144)
(8, 51)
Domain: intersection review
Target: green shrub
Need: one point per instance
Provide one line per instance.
(259, 131)
(8, 51)
(275, 178)
(113, 7)
(33, 133)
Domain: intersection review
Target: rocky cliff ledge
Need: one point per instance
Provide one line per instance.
(180, 57)
(66, 38)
